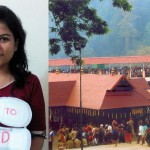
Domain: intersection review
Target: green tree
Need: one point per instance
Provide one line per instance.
(75, 20)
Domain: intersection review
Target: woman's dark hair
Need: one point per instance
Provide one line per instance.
(18, 65)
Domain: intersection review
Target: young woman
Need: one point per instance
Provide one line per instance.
(15, 79)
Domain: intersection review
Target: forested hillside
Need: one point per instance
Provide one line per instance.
(129, 31)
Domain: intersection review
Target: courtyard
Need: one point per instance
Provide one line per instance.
(120, 146)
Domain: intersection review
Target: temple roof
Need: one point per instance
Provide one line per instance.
(97, 91)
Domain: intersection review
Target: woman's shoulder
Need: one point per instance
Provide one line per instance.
(32, 78)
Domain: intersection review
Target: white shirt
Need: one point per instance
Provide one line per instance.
(140, 130)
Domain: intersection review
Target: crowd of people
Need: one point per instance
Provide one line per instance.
(136, 71)
(114, 133)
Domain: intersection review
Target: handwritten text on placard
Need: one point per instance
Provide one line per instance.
(11, 111)
(4, 137)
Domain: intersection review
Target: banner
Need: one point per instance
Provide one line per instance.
(136, 111)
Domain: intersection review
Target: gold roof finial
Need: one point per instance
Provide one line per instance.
(112, 71)
(128, 75)
(57, 70)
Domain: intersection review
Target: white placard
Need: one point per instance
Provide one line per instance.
(14, 112)
(15, 139)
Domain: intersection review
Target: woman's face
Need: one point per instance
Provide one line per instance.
(7, 45)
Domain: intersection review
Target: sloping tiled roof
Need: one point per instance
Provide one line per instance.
(133, 100)
(102, 60)
(59, 92)
(64, 91)
(141, 86)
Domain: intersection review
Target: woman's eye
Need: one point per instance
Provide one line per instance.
(3, 39)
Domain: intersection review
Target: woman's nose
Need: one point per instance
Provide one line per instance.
(1, 49)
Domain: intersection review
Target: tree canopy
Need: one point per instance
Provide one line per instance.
(75, 20)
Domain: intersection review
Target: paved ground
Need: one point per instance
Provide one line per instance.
(121, 146)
